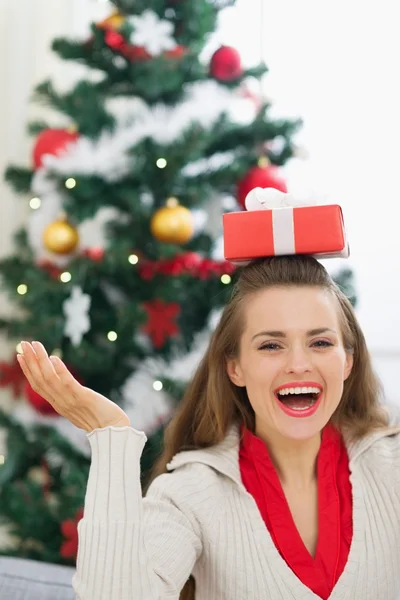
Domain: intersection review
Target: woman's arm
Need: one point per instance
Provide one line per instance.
(131, 548)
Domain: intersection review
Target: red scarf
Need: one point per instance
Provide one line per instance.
(335, 527)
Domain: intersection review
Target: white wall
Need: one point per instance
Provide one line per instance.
(334, 64)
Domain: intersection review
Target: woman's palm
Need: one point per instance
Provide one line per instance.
(50, 378)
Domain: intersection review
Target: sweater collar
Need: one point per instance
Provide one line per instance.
(224, 457)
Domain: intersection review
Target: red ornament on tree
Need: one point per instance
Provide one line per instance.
(52, 141)
(51, 269)
(114, 40)
(226, 64)
(69, 529)
(137, 53)
(161, 324)
(12, 376)
(96, 254)
(260, 176)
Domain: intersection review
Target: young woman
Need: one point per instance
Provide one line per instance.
(280, 477)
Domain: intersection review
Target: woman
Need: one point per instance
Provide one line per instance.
(280, 477)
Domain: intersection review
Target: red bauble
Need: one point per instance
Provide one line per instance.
(96, 254)
(52, 141)
(262, 177)
(38, 402)
(114, 40)
(226, 64)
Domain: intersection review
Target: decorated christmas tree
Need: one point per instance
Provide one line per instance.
(145, 158)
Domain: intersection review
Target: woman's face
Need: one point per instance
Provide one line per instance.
(292, 342)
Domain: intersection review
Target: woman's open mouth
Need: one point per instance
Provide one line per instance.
(299, 400)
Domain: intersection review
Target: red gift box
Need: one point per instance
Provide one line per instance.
(316, 230)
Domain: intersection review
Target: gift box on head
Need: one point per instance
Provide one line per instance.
(276, 224)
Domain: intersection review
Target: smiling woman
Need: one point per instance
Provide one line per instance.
(255, 496)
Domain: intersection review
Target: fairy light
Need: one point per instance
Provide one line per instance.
(133, 259)
(19, 349)
(22, 289)
(161, 163)
(57, 352)
(70, 183)
(226, 279)
(65, 277)
(112, 336)
(158, 386)
(172, 202)
(2, 459)
(35, 203)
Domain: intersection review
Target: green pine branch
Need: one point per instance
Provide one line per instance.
(83, 104)
(20, 178)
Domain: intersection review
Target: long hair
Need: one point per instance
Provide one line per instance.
(212, 402)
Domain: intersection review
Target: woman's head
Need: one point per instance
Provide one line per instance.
(292, 337)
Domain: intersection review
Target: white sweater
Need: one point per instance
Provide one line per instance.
(199, 519)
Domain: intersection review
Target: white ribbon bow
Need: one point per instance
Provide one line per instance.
(270, 198)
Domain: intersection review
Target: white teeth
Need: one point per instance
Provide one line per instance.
(299, 390)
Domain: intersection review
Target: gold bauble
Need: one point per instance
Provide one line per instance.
(114, 21)
(173, 223)
(60, 237)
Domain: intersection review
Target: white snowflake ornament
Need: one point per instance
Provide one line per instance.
(76, 311)
(152, 33)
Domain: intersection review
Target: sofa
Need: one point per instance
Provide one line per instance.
(22, 579)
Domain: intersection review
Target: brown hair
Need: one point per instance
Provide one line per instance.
(212, 402)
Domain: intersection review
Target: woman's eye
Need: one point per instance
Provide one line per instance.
(322, 344)
(270, 346)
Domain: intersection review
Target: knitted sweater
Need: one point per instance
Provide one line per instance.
(199, 519)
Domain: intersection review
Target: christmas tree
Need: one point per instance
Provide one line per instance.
(143, 154)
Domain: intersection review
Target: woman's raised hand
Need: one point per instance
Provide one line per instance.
(50, 378)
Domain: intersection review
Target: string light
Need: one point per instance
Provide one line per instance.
(172, 202)
(22, 289)
(18, 348)
(161, 163)
(35, 203)
(226, 279)
(65, 277)
(112, 336)
(133, 259)
(57, 352)
(2, 459)
(158, 386)
(70, 183)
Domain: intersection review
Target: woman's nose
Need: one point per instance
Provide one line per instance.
(298, 361)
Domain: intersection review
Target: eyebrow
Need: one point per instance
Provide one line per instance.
(282, 334)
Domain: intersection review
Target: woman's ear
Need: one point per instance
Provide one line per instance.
(348, 365)
(235, 373)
